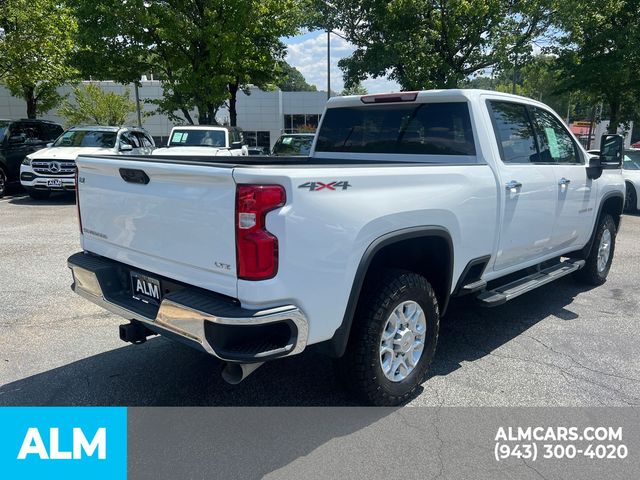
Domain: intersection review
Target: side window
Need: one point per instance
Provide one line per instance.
(555, 142)
(514, 132)
(50, 131)
(142, 139)
(129, 139)
(26, 131)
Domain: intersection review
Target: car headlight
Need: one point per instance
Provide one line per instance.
(26, 161)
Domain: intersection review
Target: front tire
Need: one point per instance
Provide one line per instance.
(631, 199)
(598, 263)
(393, 339)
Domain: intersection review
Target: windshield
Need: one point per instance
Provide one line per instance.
(293, 145)
(631, 161)
(87, 138)
(198, 138)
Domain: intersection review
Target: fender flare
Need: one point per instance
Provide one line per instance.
(586, 250)
(338, 343)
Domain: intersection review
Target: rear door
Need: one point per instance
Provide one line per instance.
(576, 193)
(528, 187)
(169, 218)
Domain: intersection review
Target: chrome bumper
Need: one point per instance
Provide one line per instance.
(187, 313)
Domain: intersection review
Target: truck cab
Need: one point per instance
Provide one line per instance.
(205, 140)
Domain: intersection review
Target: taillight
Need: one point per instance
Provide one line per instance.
(256, 248)
(78, 200)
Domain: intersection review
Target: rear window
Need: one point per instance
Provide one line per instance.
(422, 129)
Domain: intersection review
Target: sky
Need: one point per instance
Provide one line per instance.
(308, 53)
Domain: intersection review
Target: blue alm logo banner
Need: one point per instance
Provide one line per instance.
(63, 442)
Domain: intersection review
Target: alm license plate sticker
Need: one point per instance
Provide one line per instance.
(146, 289)
(54, 183)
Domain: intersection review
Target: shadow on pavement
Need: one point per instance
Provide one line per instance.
(161, 372)
(62, 198)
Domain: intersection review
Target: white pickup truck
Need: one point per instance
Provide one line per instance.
(405, 201)
(205, 141)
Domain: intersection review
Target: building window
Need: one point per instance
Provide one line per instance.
(257, 139)
(301, 123)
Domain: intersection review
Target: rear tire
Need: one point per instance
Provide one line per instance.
(598, 263)
(631, 199)
(39, 194)
(392, 340)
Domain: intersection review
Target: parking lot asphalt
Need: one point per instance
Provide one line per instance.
(561, 345)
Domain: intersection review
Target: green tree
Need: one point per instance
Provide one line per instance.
(36, 38)
(92, 105)
(431, 43)
(291, 80)
(204, 50)
(355, 89)
(599, 54)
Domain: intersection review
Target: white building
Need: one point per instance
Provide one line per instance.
(263, 116)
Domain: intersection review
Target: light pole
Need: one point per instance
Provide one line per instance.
(328, 64)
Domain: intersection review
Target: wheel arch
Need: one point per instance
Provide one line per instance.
(422, 249)
(612, 203)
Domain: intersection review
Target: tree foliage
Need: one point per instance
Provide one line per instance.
(36, 38)
(599, 53)
(291, 80)
(355, 89)
(92, 105)
(204, 50)
(431, 43)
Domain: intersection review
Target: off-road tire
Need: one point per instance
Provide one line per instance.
(589, 274)
(360, 368)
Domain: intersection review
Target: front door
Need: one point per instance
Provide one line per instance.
(528, 197)
(575, 192)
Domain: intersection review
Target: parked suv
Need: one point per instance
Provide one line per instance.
(54, 168)
(19, 138)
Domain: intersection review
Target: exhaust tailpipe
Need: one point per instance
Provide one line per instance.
(234, 373)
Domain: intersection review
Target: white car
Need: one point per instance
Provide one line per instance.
(53, 168)
(204, 141)
(405, 201)
(631, 174)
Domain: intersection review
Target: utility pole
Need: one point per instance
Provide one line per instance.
(515, 72)
(135, 88)
(328, 64)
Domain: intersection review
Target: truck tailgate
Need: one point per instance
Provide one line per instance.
(180, 224)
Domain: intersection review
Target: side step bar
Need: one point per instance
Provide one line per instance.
(504, 293)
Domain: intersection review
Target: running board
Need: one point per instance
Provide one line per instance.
(504, 293)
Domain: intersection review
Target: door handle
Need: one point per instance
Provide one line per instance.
(513, 185)
(564, 181)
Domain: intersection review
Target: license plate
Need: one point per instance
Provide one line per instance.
(146, 289)
(54, 183)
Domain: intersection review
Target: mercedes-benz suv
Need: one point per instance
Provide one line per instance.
(53, 169)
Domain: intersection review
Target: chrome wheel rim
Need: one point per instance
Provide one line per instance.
(402, 342)
(604, 250)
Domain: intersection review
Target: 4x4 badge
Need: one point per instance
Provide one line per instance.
(316, 186)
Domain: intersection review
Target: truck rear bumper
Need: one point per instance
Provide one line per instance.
(216, 324)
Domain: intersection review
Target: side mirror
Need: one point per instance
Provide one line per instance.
(594, 168)
(125, 147)
(50, 144)
(611, 151)
(236, 146)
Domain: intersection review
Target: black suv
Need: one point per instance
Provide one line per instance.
(18, 138)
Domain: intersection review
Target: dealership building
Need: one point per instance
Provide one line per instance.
(263, 116)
